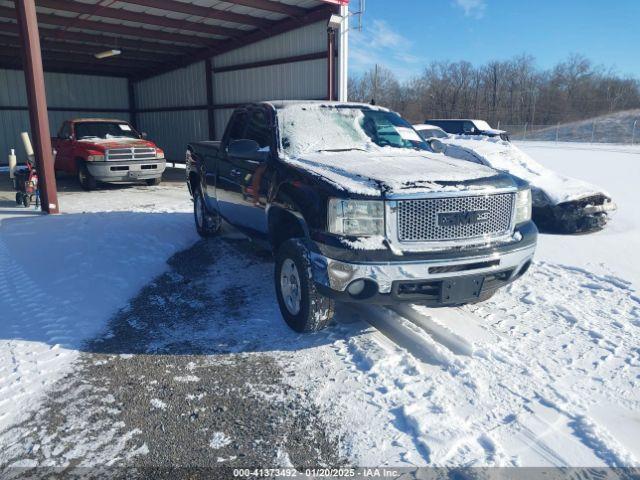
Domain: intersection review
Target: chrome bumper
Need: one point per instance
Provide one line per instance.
(337, 275)
(130, 171)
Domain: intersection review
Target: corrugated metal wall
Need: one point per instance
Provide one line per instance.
(184, 88)
(291, 81)
(172, 130)
(63, 90)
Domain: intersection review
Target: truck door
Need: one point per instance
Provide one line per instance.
(64, 147)
(226, 181)
(246, 181)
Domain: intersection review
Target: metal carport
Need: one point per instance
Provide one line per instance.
(184, 65)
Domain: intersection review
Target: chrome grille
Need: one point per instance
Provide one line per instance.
(419, 220)
(123, 154)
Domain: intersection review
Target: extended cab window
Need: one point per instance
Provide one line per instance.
(104, 130)
(65, 130)
(237, 126)
(258, 128)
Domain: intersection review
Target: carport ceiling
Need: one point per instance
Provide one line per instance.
(155, 36)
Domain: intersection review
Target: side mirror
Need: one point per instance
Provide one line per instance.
(64, 137)
(247, 150)
(436, 145)
(143, 135)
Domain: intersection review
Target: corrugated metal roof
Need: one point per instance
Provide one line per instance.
(177, 31)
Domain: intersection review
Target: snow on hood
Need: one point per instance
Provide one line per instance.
(494, 131)
(506, 157)
(391, 170)
(116, 141)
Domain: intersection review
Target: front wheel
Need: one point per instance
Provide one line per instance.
(207, 223)
(154, 181)
(85, 179)
(302, 306)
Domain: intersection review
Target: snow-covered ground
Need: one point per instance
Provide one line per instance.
(62, 277)
(545, 373)
(615, 168)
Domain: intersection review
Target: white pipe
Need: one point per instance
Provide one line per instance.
(343, 54)
(12, 163)
(26, 141)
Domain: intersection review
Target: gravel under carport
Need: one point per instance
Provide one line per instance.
(182, 399)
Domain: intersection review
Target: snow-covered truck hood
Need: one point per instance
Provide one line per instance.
(506, 157)
(376, 173)
(116, 142)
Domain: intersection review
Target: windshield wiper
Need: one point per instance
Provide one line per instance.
(342, 149)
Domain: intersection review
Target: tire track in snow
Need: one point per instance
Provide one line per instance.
(480, 373)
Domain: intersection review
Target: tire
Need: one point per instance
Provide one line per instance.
(85, 179)
(302, 306)
(207, 223)
(26, 200)
(153, 181)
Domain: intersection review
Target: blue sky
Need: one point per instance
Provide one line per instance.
(406, 35)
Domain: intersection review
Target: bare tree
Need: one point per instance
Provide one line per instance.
(513, 91)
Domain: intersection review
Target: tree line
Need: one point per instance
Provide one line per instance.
(514, 91)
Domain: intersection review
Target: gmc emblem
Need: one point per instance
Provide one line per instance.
(453, 219)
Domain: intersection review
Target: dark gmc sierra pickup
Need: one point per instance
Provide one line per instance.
(357, 207)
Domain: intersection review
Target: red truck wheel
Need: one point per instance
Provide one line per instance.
(85, 179)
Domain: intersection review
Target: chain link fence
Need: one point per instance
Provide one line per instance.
(591, 131)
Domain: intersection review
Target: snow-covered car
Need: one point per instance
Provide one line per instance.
(560, 204)
(467, 126)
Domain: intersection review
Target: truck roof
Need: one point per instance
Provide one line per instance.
(279, 104)
(78, 120)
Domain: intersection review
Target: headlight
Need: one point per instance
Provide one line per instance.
(95, 158)
(523, 206)
(356, 217)
(159, 154)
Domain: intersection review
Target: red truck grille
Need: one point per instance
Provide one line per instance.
(125, 154)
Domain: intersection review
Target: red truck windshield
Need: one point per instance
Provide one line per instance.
(104, 130)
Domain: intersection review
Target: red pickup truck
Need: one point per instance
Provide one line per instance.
(105, 150)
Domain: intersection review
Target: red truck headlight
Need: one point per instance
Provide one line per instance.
(159, 154)
(95, 158)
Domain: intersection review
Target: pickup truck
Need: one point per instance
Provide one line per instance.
(356, 207)
(103, 150)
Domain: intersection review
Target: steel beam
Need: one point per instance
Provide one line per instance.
(138, 17)
(331, 64)
(205, 12)
(276, 7)
(113, 28)
(103, 40)
(314, 15)
(211, 119)
(89, 61)
(37, 99)
(62, 46)
(133, 117)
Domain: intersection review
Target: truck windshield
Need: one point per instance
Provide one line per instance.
(318, 128)
(104, 130)
(429, 133)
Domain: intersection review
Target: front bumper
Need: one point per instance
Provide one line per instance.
(129, 171)
(427, 280)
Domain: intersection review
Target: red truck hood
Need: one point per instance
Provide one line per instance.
(116, 143)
